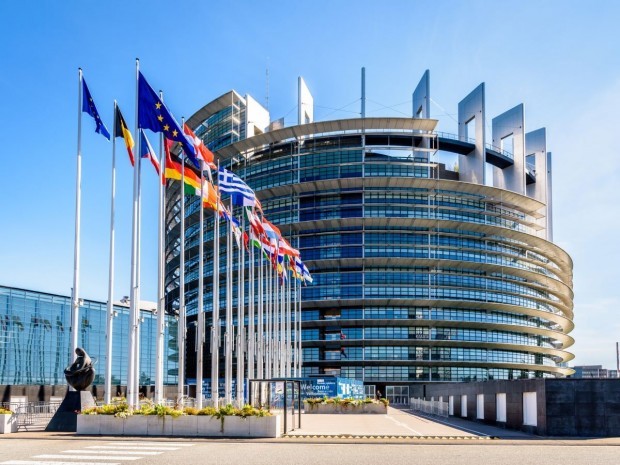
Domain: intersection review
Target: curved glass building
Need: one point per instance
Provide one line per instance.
(431, 253)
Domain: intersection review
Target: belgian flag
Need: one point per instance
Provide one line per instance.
(121, 130)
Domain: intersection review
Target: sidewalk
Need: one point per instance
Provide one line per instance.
(395, 423)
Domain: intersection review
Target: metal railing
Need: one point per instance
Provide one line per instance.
(32, 415)
(430, 407)
(447, 135)
(469, 140)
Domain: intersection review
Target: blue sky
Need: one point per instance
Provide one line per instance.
(559, 58)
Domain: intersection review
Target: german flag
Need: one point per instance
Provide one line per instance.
(121, 130)
(174, 170)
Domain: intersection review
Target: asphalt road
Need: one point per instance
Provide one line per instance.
(66, 449)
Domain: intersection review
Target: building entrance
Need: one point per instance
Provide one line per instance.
(397, 395)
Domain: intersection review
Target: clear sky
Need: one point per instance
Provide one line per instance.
(560, 58)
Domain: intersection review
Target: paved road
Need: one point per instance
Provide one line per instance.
(48, 449)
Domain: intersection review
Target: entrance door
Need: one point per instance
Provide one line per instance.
(397, 395)
(370, 390)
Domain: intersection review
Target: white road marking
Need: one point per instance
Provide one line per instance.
(132, 448)
(40, 462)
(112, 452)
(404, 426)
(455, 426)
(152, 443)
(86, 457)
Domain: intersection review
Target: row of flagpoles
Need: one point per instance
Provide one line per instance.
(269, 338)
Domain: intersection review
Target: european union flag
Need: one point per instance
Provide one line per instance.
(153, 115)
(88, 106)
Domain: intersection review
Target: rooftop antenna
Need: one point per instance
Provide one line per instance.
(363, 92)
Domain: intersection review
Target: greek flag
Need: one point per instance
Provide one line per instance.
(232, 184)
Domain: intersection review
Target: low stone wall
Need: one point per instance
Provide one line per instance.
(345, 409)
(8, 423)
(565, 407)
(183, 426)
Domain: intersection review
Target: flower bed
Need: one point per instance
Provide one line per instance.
(159, 420)
(8, 421)
(331, 405)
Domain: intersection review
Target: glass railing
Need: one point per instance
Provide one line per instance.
(531, 168)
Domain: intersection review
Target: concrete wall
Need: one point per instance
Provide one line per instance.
(583, 407)
(472, 166)
(565, 407)
(422, 97)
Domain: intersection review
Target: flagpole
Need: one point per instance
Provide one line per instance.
(181, 323)
(229, 316)
(289, 347)
(260, 336)
(138, 280)
(161, 269)
(251, 325)
(282, 322)
(300, 347)
(295, 316)
(268, 322)
(240, 319)
(200, 335)
(134, 291)
(272, 311)
(215, 325)
(75, 300)
(110, 312)
(267, 315)
(277, 322)
(273, 329)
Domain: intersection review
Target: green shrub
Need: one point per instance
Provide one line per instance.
(109, 409)
(227, 411)
(5, 411)
(384, 401)
(145, 409)
(346, 402)
(190, 411)
(122, 411)
(313, 400)
(260, 412)
(162, 410)
(211, 411)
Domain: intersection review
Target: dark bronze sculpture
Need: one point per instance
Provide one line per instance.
(81, 372)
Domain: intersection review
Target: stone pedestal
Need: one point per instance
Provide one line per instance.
(65, 418)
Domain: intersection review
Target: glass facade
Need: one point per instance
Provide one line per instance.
(35, 341)
(417, 276)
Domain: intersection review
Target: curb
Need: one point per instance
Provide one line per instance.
(361, 436)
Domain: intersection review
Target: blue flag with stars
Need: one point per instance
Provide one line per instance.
(88, 106)
(153, 115)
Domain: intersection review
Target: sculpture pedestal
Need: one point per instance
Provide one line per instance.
(65, 418)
